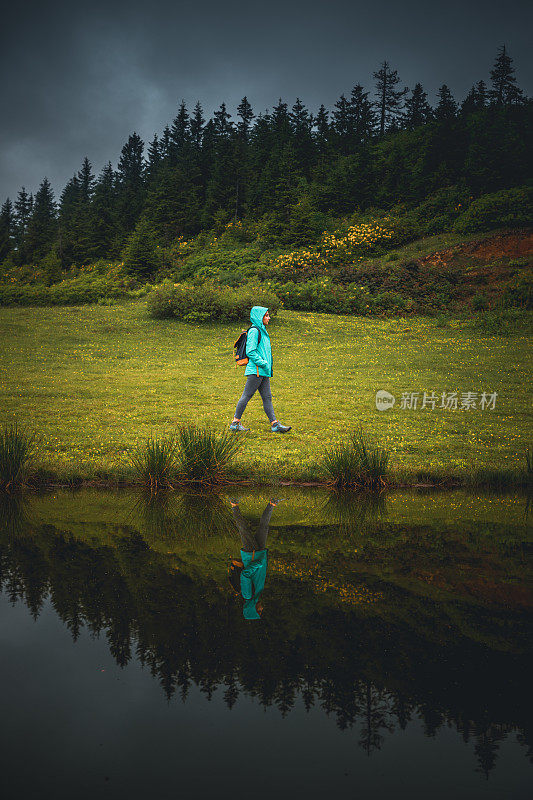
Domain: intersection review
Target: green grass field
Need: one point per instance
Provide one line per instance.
(93, 380)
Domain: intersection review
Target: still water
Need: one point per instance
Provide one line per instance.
(391, 656)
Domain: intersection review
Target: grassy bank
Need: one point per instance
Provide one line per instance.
(94, 380)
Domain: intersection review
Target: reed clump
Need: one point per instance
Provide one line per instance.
(204, 454)
(154, 461)
(354, 463)
(17, 450)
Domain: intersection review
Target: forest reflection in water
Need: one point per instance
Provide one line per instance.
(378, 610)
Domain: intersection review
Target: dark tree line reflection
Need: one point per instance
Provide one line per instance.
(374, 675)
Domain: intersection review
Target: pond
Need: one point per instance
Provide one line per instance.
(391, 653)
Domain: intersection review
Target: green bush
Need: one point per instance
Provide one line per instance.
(324, 296)
(509, 208)
(51, 266)
(439, 212)
(519, 290)
(503, 321)
(208, 302)
(216, 263)
(89, 285)
(479, 301)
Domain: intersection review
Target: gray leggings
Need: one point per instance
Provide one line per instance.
(253, 383)
(248, 540)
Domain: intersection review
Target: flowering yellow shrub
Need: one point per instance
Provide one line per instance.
(333, 249)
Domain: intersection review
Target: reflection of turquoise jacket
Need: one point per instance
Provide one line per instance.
(253, 580)
(259, 355)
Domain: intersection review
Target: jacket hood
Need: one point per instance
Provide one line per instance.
(256, 316)
(249, 610)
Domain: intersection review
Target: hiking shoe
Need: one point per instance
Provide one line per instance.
(236, 426)
(279, 428)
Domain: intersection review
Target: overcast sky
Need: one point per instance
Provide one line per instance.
(77, 81)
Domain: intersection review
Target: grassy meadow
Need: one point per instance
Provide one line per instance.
(94, 380)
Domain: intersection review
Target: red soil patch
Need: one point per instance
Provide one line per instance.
(510, 245)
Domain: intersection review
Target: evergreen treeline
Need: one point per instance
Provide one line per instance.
(281, 166)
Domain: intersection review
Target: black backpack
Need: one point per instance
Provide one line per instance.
(241, 359)
(234, 574)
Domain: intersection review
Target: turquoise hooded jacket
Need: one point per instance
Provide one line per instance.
(259, 355)
(253, 578)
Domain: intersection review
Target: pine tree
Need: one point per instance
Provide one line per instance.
(322, 130)
(363, 118)
(42, 226)
(69, 210)
(7, 227)
(105, 213)
(165, 144)
(179, 134)
(23, 209)
(447, 107)
(390, 99)
(197, 127)
(174, 202)
(281, 125)
(131, 184)
(222, 186)
(154, 159)
(246, 115)
(140, 254)
(476, 99)
(301, 122)
(85, 243)
(418, 110)
(504, 89)
(342, 124)
(223, 128)
(86, 181)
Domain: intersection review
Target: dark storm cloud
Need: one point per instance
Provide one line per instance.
(78, 81)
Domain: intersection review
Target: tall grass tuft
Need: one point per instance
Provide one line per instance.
(17, 448)
(354, 463)
(154, 461)
(204, 454)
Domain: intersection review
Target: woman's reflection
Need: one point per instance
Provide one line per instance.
(248, 575)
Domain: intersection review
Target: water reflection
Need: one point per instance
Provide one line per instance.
(417, 621)
(248, 574)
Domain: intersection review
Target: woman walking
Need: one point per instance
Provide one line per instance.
(258, 371)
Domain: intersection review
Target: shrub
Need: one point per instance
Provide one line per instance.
(204, 454)
(479, 301)
(519, 290)
(324, 296)
(209, 302)
(439, 211)
(509, 208)
(17, 448)
(51, 267)
(87, 285)
(354, 463)
(154, 461)
(503, 321)
(215, 263)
